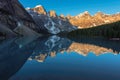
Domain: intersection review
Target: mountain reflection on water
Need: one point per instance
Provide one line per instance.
(15, 52)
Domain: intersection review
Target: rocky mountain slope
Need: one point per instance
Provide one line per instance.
(85, 20)
(12, 16)
(15, 20)
(54, 23)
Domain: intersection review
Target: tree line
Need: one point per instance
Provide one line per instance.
(108, 30)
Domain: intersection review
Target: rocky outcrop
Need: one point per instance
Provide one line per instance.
(12, 9)
(53, 23)
(86, 15)
(69, 17)
(85, 20)
(38, 20)
(52, 13)
(15, 19)
(62, 16)
(39, 9)
(5, 31)
(12, 15)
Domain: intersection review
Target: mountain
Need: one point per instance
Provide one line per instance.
(13, 16)
(15, 20)
(5, 31)
(52, 13)
(86, 15)
(39, 9)
(85, 20)
(52, 22)
(82, 20)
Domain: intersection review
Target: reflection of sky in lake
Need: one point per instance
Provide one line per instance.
(72, 66)
(59, 58)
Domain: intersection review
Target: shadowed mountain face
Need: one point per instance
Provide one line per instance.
(12, 16)
(13, 7)
(14, 20)
(53, 23)
(11, 12)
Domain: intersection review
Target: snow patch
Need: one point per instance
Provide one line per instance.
(18, 24)
(60, 23)
(52, 29)
(80, 27)
(28, 8)
(81, 14)
(38, 6)
(94, 24)
(107, 21)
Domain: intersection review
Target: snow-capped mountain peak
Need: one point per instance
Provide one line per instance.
(39, 9)
(28, 8)
(38, 6)
(84, 14)
(52, 23)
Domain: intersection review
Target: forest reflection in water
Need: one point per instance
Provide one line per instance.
(15, 52)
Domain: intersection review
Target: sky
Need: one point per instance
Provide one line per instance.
(75, 7)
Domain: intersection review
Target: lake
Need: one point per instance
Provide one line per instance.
(59, 58)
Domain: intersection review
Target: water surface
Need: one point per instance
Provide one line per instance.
(59, 58)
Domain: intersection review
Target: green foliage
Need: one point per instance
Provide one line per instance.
(109, 30)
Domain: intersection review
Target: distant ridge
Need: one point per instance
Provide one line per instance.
(83, 20)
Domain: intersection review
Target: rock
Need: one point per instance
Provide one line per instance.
(39, 9)
(6, 32)
(85, 20)
(13, 14)
(52, 23)
(52, 13)
(62, 16)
